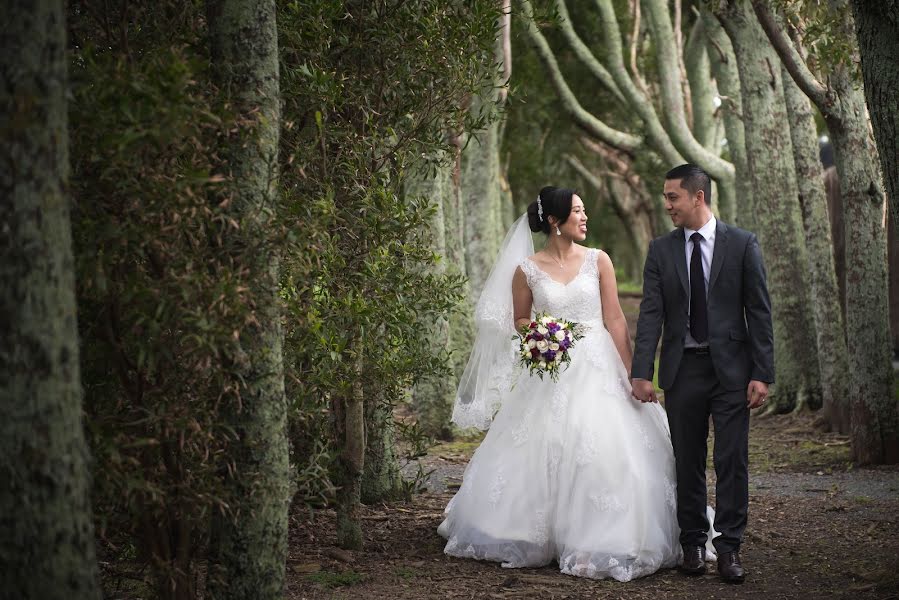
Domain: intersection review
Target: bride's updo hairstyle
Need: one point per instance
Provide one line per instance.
(553, 201)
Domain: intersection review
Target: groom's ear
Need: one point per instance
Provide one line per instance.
(700, 195)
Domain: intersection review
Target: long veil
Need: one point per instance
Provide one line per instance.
(490, 371)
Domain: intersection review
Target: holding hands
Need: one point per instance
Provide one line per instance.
(643, 390)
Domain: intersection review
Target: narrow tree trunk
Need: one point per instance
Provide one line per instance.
(772, 174)
(249, 544)
(877, 27)
(349, 413)
(832, 354)
(46, 526)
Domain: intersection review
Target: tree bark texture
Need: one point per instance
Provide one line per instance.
(875, 422)
(696, 62)
(349, 412)
(46, 527)
(249, 544)
(877, 29)
(831, 338)
(434, 395)
(381, 479)
(772, 175)
(727, 78)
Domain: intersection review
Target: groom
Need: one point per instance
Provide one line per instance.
(704, 284)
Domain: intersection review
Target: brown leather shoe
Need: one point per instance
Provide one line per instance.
(730, 568)
(694, 561)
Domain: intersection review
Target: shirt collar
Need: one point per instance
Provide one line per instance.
(707, 231)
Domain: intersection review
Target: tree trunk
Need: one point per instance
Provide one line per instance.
(46, 526)
(433, 396)
(696, 61)
(875, 423)
(248, 549)
(724, 67)
(381, 479)
(481, 199)
(877, 28)
(832, 354)
(772, 175)
(349, 413)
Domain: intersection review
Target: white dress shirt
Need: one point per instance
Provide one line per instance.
(707, 245)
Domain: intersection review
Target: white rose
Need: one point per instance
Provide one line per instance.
(542, 364)
(544, 320)
(554, 347)
(532, 343)
(542, 345)
(542, 330)
(560, 335)
(558, 357)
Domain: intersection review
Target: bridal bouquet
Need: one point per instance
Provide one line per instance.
(546, 345)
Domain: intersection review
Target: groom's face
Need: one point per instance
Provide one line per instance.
(682, 206)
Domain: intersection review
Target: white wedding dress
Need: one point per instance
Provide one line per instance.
(576, 470)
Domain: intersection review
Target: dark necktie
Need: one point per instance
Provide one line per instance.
(699, 318)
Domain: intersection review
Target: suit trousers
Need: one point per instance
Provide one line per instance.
(696, 394)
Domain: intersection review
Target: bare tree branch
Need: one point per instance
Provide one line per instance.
(584, 54)
(669, 79)
(591, 124)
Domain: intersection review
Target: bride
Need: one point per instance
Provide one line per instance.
(574, 471)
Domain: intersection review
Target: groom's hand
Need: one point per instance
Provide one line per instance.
(756, 393)
(642, 390)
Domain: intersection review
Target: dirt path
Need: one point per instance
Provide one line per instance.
(818, 529)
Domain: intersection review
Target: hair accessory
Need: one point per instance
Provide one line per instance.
(539, 209)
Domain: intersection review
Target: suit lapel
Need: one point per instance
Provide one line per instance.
(680, 258)
(718, 255)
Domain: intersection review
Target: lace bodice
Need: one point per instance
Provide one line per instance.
(579, 300)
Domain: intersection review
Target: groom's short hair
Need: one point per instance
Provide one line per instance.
(693, 179)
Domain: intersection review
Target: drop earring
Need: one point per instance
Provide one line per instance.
(558, 231)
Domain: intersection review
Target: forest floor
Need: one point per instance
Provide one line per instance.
(818, 528)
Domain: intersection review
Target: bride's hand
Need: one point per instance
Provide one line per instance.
(643, 390)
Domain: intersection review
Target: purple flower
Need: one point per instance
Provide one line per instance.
(549, 355)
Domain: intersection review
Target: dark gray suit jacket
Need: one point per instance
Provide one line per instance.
(741, 338)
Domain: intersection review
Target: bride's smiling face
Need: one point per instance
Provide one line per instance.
(575, 227)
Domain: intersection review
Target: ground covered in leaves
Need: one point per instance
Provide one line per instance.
(818, 528)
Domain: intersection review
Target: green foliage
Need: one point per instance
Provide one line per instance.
(160, 308)
(370, 89)
(822, 28)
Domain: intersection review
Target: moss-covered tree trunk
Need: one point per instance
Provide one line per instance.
(769, 156)
(46, 527)
(433, 396)
(875, 423)
(482, 183)
(877, 28)
(832, 354)
(381, 479)
(723, 64)
(249, 541)
(481, 202)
